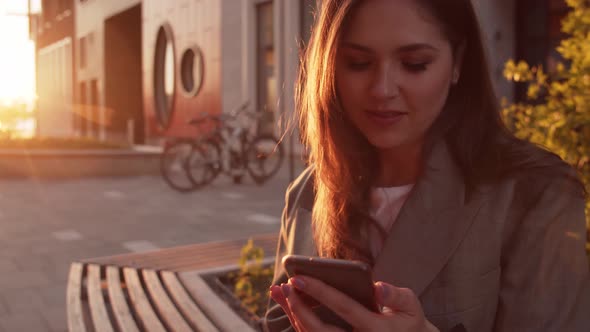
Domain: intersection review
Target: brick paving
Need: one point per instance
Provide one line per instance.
(45, 225)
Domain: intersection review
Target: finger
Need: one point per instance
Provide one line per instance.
(297, 325)
(398, 299)
(348, 309)
(305, 318)
(279, 297)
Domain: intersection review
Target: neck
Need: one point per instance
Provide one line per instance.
(399, 166)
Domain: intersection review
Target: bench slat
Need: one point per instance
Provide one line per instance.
(187, 257)
(219, 312)
(166, 308)
(142, 305)
(214, 260)
(120, 308)
(97, 305)
(74, 299)
(186, 304)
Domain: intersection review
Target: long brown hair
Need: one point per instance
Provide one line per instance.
(346, 163)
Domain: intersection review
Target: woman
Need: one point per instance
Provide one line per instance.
(413, 171)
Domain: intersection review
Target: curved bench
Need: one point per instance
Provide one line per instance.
(155, 291)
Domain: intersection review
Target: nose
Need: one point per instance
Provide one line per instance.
(385, 85)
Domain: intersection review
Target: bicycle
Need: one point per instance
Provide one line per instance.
(234, 149)
(174, 161)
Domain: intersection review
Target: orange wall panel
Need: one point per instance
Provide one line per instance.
(193, 23)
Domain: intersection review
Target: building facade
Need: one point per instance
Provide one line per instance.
(141, 69)
(109, 40)
(215, 55)
(53, 32)
(182, 63)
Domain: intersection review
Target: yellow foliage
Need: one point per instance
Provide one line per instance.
(557, 112)
(253, 279)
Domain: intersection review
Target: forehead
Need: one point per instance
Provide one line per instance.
(378, 23)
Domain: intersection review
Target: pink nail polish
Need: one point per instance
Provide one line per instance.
(297, 282)
(274, 290)
(286, 289)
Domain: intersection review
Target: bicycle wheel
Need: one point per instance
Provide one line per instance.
(204, 163)
(173, 165)
(264, 157)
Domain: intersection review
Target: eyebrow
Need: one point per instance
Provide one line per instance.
(403, 49)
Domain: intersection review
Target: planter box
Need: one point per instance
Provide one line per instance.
(41, 163)
(226, 294)
(216, 280)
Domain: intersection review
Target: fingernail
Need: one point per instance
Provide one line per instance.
(286, 289)
(297, 282)
(273, 291)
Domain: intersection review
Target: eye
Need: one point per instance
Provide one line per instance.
(359, 65)
(416, 67)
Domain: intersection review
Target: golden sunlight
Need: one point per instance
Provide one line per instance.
(17, 59)
(17, 71)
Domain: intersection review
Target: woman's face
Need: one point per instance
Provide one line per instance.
(394, 68)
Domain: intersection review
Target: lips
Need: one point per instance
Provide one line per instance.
(384, 118)
(385, 114)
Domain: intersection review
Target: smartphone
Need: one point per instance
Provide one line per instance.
(353, 278)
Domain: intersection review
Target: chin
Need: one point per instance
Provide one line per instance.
(382, 143)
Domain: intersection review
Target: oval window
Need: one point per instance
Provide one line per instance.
(164, 75)
(191, 71)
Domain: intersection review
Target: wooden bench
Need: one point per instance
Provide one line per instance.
(155, 291)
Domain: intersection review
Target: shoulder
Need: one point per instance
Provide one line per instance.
(554, 176)
(529, 170)
(541, 191)
(529, 178)
(544, 199)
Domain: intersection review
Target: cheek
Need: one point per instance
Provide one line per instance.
(349, 88)
(350, 94)
(428, 94)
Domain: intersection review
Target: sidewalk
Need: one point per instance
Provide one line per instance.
(44, 226)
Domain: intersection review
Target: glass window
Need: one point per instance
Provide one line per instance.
(191, 70)
(83, 52)
(80, 114)
(94, 109)
(169, 70)
(266, 76)
(164, 75)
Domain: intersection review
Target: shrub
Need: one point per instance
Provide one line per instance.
(253, 279)
(556, 113)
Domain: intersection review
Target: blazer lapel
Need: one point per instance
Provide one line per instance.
(429, 227)
(301, 240)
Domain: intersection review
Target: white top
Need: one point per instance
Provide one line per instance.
(386, 202)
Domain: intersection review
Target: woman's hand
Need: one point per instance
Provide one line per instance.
(402, 310)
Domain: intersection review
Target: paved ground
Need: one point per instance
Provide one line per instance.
(44, 225)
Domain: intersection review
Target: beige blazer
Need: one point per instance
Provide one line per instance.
(512, 258)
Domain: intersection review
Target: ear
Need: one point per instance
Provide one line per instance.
(458, 61)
